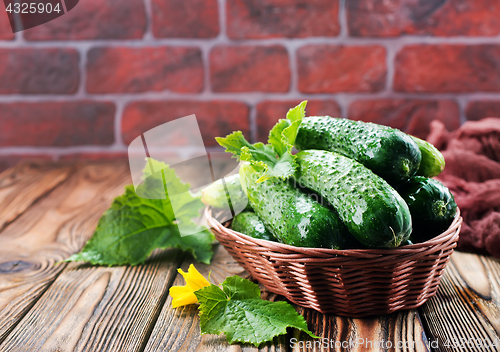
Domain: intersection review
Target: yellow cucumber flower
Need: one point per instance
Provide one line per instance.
(184, 295)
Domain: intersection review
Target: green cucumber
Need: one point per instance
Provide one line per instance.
(388, 152)
(292, 216)
(219, 194)
(432, 207)
(250, 224)
(432, 160)
(374, 213)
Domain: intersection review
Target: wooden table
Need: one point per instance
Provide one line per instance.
(49, 211)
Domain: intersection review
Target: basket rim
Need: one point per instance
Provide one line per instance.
(452, 231)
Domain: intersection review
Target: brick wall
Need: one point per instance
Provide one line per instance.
(87, 83)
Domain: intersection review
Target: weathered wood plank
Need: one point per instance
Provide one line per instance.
(23, 184)
(56, 227)
(97, 308)
(178, 329)
(465, 313)
(401, 331)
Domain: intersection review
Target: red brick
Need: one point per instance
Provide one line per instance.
(276, 18)
(95, 19)
(5, 29)
(478, 110)
(268, 112)
(337, 68)
(368, 18)
(185, 19)
(38, 71)
(131, 70)
(410, 116)
(57, 124)
(249, 68)
(448, 68)
(215, 118)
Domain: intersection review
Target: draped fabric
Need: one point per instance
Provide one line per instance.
(472, 173)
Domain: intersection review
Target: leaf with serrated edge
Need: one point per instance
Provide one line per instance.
(295, 117)
(133, 226)
(297, 113)
(276, 139)
(273, 160)
(233, 143)
(237, 311)
(282, 136)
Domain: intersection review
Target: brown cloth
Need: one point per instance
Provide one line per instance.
(472, 173)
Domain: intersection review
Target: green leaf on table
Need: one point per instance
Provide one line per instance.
(237, 311)
(134, 226)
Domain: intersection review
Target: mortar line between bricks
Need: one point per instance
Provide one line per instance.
(252, 116)
(205, 61)
(17, 38)
(61, 151)
(462, 105)
(344, 31)
(148, 33)
(82, 71)
(390, 55)
(120, 108)
(221, 39)
(21, 41)
(222, 20)
(246, 97)
(292, 65)
(343, 104)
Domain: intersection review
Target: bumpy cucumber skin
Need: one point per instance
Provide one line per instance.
(372, 210)
(250, 224)
(432, 163)
(292, 216)
(432, 207)
(388, 152)
(215, 194)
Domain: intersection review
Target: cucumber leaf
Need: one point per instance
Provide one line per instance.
(282, 136)
(275, 159)
(237, 311)
(233, 143)
(262, 156)
(133, 226)
(295, 116)
(276, 138)
(297, 113)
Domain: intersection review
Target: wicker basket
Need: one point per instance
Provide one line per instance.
(354, 283)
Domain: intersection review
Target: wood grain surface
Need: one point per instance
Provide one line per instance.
(465, 313)
(97, 308)
(178, 329)
(52, 230)
(396, 332)
(24, 184)
(47, 213)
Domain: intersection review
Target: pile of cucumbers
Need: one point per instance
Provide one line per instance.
(354, 185)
